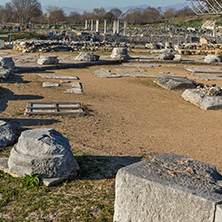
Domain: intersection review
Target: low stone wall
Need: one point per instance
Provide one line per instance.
(170, 188)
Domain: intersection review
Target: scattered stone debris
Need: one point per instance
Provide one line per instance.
(45, 152)
(52, 76)
(50, 84)
(5, 73)
(47, 60)
(173, 82)
(177, 58)
(6, 62)
(208, 97)
(87, 56)
(120, 53)
(7, 134)
(145, 190)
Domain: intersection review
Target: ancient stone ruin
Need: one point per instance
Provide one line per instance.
(45, 152)
(207, 97)
(87, 56)
(172, 82)
(47, 60)
(120, 53)
(168, 188)
(7, 134)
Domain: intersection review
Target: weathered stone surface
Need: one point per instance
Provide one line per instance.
(45, 152)
(199, 98)
(169, 188)
(7, 134)
(204, 69)
(87, 56)
(212, 58)
(47, 60)
(6, 62)
(50, 84)
(177, 58)
(208, 76)
(76, 85)
(105, 73)
(166, 56)
(2, 44)
(120, 53)
(58, 77)
(74, 91)
(175, 82)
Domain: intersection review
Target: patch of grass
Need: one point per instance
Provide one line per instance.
(90, 197)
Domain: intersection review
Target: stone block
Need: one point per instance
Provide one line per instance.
(170, 188)
(47, 60)
(6, 62)
(7, 134)
(50, 84)
(45, 152)
(213, 58)
(87, 56)
(172, 82)
(120, 53)
(204, 101)
(2, 44)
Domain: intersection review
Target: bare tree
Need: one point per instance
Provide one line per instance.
(116, 12)
(99, 13)
(169, 14)
(74, 18)
(26, 9)
(56, 15)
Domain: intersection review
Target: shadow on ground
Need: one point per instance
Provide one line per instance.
(6, 95)
(102, 167)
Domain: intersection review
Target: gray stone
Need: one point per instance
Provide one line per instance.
(74, 91)
(166, 56)
(50, 84)
(58, 77)
(5, 73)
(204, 70)
(76, 85)
(6, 62)
(47, 60)
(199, 98)
(105, 73)
(172, 82)
(120, 53)
(212, 58)
(177, 58)
(7, 134)
(2, 44)
(4, 164)
(206, 76)
(214, 91)
(169, 188)
(87, 56)
(45, 152)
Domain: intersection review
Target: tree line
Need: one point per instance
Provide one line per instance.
(26, 11)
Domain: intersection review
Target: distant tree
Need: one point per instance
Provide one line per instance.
(99, 13)
(56, 15)
(169, 14)
(116, 12)
(74, 18)
(110, 17)
(185, 12)
(26, 10)
(7, 14)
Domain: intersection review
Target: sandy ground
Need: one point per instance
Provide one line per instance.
(127, 116)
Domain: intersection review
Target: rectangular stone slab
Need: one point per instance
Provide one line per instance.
(170, 188)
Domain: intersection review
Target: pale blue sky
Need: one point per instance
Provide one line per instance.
(90, 4)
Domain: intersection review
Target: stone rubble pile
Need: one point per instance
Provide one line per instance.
(206, 97)
(47, 60)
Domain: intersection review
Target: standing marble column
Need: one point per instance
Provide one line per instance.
(105, 26)
(97, 25)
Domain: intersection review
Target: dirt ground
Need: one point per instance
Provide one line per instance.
(126, 116)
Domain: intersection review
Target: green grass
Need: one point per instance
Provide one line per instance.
(90, 197)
